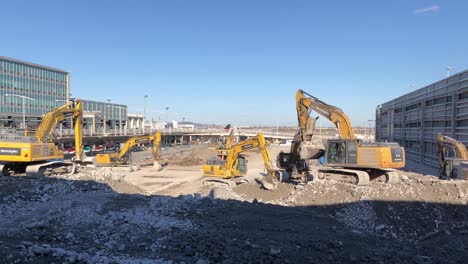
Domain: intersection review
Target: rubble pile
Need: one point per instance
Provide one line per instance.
(82, 219)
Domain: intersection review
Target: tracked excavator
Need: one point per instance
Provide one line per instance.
(38, 154)
(123, 157)
(343, 157)
(223, 149)
(453, 158)
(235, 165)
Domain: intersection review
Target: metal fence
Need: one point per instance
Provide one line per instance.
(133, 132)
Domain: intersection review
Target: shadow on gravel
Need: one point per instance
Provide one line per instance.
(63, 221)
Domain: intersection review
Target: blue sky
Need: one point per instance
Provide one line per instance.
(240, 61)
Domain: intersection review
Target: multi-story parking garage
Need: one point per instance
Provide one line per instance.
(415, 119)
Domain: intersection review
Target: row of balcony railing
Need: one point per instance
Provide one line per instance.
(65, 132)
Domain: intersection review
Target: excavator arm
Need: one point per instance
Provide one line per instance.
(156, 145)
(133, 141)
(49, 121)
(302, 147)
(230, 139)
(306, 102)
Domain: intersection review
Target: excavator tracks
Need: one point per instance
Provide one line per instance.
(361, 177)
(37, 170)
(392, 177)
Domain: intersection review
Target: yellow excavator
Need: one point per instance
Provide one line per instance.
(37, 155)
(346, 156)
(453, 158)
(224, 149)
(235, 164)
(124, 155)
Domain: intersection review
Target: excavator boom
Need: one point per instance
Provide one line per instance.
(306, 102)
(223, 150)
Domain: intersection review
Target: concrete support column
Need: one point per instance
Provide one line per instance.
(93, 129)
(422, 131)
(104, 125)
(453, 120)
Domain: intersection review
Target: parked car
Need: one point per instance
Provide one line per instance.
(69, 150)
(99, 148)
(87, 149)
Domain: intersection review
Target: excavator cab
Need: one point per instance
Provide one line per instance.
(341, 152)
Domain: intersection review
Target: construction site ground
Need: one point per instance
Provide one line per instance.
(114, 215)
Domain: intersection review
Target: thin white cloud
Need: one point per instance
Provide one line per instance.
(429, 9)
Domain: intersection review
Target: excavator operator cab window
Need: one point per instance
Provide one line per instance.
(337, 152)
(242, 165)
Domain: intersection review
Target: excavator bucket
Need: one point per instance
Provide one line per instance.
(157, 166)
(310, 150)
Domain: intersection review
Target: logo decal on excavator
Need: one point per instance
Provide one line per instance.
(10, 151)
(247, 146)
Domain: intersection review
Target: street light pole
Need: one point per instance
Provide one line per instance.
(370, 123)
(24, 105)
(144, 114)
(120, 121)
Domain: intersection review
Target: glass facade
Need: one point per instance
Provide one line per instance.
(110, 112)
(48, 87)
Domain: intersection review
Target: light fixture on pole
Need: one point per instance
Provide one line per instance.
(144, 113)
(167, 114)
(449, 68)
(24, 105)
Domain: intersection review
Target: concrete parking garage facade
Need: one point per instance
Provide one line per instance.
(415, 119)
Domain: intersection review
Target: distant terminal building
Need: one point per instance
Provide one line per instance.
(415, 119)
(41, 88)
(104, 115)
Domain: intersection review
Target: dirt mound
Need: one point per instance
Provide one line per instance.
(186, 161)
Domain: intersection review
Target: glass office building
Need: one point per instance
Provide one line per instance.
(42, 89)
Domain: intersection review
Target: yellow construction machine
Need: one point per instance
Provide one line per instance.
(347, 156)
(453, 158)
(37, 155)
(224, 148)
(235, 164)
(124, 155)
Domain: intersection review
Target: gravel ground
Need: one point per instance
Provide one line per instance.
(54, 220)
